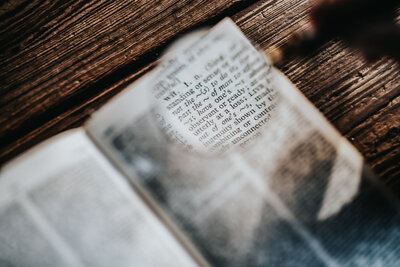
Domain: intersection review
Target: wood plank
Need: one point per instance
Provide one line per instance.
(379, 139)
(360, 99)
(55, 53)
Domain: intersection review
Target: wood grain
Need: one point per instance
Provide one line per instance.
(361, 99)
(62, 60)
(59, 55)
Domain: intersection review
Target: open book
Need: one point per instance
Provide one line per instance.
(213, 158)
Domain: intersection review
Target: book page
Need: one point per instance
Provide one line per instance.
(63, 204)
(243, 164)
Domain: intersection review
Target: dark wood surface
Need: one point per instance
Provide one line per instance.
(62, 60)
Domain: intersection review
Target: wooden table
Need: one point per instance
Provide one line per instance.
(62, 60)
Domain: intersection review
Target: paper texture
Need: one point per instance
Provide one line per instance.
(63, 204)
(246, 167)
(213, 158)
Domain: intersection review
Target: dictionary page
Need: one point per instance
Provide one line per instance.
(64, 204)
(229, 152)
